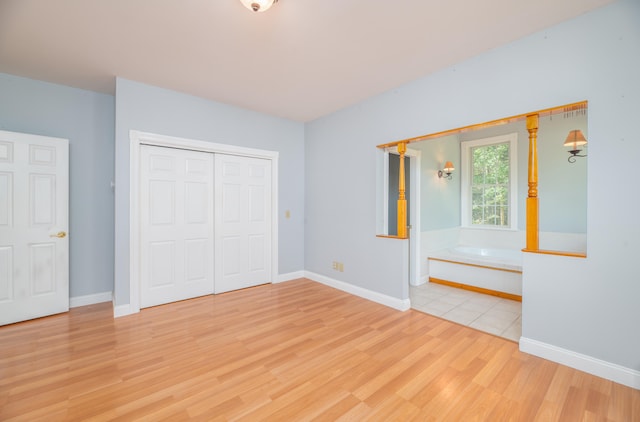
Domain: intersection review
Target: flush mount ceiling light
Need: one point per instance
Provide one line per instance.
(258, 5)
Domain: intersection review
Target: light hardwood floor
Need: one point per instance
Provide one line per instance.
(286, 352)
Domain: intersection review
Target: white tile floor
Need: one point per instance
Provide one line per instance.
(491, 314)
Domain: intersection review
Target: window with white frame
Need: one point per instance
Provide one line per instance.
(489, 185)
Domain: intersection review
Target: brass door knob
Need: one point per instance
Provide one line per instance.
(59, 235)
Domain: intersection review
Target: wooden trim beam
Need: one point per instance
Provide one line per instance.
(557, 253)
(389, 236)
(498, 122)
(475, 289)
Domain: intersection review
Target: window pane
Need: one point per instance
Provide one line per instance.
(477, 216)
(490, 185)
(478, 176)
(502, 165)
(477, 204)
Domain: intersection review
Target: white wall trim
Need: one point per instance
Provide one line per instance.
(85, 300)
(137, 139)
(600, 368)
(392, 302)
(123, 310)
(289, 276)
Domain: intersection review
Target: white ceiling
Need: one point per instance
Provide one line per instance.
(300, 60)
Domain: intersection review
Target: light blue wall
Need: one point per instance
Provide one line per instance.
(439, 197)
(562, 185)
(156, 110)
(587, 305)
(86, 119)
(340, 206)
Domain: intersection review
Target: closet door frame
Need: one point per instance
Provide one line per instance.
(137, 139)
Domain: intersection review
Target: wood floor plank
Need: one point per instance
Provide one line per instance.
(478, 404)
(338, 409)
(292, 351)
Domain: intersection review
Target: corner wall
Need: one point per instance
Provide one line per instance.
(588, 306)
(156, 110)
(86, 119)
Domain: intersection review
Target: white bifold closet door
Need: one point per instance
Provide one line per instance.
(202, 230)
(242, 222)
(34, 221)
(176, 206)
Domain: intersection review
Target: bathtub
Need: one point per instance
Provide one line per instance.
(487, 270)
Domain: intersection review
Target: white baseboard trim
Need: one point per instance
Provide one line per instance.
(289, 276)
(392, 302)
(122, 310)
(423, 280)
(76, 301)
(611, 371)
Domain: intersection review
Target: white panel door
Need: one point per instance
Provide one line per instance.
(243, 222)
(176, 214)
(34, 219)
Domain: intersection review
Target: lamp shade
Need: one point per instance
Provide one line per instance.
(575, 139)
(448, 167)
(258, 5)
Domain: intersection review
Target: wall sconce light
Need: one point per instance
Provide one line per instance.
(446, 172)
(575, 140)
(258, 5)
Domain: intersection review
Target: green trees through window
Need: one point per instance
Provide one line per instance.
(490, 185)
